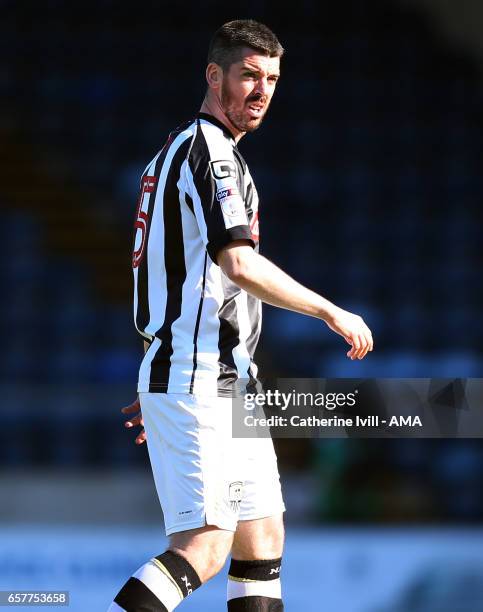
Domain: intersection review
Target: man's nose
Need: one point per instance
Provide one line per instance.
(262, 87)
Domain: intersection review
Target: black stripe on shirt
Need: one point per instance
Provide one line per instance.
(228, 336)
(189, 202)
(175, 271)
(197, 327)
(249, 198)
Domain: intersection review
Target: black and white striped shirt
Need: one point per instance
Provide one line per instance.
(196, 197)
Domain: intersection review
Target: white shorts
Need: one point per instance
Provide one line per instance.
(203, 475)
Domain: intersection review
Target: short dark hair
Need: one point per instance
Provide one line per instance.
(227, 42)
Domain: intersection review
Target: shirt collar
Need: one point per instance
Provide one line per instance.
(216, 122)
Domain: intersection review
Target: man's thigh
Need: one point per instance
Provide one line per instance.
(259, 539)
(262, 493)
(196, 464)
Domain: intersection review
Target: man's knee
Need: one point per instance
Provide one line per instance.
(259, 539)
(206, 549)
(208, 560)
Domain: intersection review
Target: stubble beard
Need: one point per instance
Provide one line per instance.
(236, 116)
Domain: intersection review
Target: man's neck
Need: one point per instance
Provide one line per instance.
(213, 107)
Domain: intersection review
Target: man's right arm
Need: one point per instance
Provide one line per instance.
(264, 280)
(135, 408)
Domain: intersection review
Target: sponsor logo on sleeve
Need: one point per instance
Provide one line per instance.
(226, 192)
(230, 200)
(223, 168)
(234, 207)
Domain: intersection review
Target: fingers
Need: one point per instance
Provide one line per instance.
(137, 420)
(134, 407)
(364, 347)
(355, 332)
(361, 343)
(356, 346)
(371, 341)
(141, 438)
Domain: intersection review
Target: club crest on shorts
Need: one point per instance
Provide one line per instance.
(235, 495)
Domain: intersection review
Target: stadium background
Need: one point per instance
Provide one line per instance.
(369, 170)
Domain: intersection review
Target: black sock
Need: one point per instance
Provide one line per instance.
(158, 586)
(254, 586)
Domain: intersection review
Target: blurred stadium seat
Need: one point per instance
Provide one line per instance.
(370, 182)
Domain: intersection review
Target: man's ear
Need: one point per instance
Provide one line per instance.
(214, 75)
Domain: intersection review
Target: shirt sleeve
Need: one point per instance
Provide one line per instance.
(214, 185)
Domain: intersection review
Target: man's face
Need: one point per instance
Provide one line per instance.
(247, 89)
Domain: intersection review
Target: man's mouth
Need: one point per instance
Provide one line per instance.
(256, 109)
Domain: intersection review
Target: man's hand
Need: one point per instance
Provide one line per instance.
(263, 279)
(136, 420)
(353, 329)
